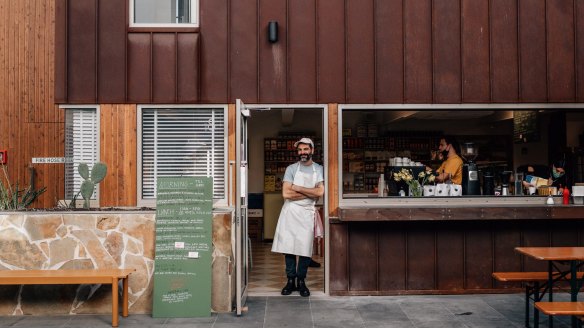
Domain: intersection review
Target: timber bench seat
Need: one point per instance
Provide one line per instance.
(75, 277)
(561, 308)
(532, 282)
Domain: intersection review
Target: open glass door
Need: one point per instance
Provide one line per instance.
(241, 236)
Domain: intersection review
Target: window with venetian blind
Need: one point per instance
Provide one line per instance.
(182, 141)
(81, 145)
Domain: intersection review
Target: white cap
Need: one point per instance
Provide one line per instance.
(307, 141)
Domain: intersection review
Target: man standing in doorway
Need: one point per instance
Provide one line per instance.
(303, 185)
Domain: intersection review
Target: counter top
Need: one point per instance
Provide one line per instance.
(459, 212)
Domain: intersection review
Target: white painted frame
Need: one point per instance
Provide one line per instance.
(194, 18)
(325, 136)
(93, 202)
(429, 201)
(152, 202)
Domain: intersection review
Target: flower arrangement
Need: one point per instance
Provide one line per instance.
(427, 177)
(415, 185)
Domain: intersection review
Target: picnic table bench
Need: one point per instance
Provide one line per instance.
(532, 282)
(75, 277)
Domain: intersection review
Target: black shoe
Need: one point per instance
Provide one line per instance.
(290, 287)
(314, 264)
(304, 292)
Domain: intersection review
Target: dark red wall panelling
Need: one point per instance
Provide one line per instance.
(139, 67)
(364, 254)
(339, 247)
(215, 57)
(421, 259)
(111, 56)
(418, 51)
(504, 64)
(61, 51)
(360, 29)
(389, 51)
(446, 48)
(532, 55)
(478, 247)
(163, 68)
(272, 56)
(331, 51)
(508, 238)
(243, 51)
(81, 51)
(579, 25)
(560, 37)
(187, 67)
(392, 248)
(302, 51)
(450, 259)
(475, 51)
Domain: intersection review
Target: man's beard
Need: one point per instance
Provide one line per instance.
(305, 157)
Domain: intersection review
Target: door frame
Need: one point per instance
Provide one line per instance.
(324, 108)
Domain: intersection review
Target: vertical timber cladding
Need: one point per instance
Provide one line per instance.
(118, 149)
(182, 273)
(30, 123)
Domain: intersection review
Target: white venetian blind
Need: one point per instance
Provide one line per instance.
(183, 142)
(80, 146)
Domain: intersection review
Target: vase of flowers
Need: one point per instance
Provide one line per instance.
(415, 185)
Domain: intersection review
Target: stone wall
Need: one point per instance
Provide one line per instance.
(73, 240)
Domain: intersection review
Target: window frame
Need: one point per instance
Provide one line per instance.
(193, 24)
(95, 201)
(436, 201)
(217, 202)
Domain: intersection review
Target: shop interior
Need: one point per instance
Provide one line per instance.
(503, 143)
(271, 136)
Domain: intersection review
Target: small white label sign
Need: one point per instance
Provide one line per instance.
(51, 160)
(179, 244)
(193, 255)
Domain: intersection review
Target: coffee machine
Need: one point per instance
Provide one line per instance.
(505, 177)
(470, 173)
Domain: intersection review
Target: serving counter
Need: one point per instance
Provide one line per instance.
(386, 249)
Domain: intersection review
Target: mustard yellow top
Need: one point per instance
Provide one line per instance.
(453, 166)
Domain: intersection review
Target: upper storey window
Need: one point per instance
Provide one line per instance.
(164, 13)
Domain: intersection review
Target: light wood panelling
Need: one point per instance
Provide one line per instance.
(333, 163)
(118, 150)
(30, 124)
(231, 147)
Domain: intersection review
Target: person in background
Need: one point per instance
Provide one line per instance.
(554, 176)
(451, 168)
(303, 184)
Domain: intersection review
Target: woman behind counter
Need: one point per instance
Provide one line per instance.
(554, 176)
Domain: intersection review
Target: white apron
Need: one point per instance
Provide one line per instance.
(295, 229)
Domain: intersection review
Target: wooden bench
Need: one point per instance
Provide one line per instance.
(532, 282)
(75, 277)
(561, 308)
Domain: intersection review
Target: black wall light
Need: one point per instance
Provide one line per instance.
(273, 31)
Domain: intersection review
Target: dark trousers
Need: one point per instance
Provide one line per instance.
(296, 272)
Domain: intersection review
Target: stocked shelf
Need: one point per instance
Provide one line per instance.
(279, 153)
(365, 156)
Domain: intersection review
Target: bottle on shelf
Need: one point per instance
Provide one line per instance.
(566, 196)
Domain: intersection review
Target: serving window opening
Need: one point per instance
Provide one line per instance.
(391, 153)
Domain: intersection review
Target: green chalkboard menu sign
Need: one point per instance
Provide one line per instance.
(182, 267)
(525, 126)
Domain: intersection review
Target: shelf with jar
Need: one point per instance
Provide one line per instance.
(365, 158)
(279, 153)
